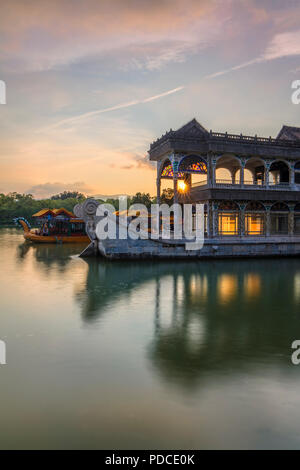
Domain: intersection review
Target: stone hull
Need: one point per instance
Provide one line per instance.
(217, 248)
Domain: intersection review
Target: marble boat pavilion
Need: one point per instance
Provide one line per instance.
(250, 185)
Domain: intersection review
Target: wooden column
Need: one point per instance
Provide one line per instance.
(214, 216)
(267, 175)
(292, 174)
(213, 164)
(242, 178)
(291, 219)
(207, 219)
(268, 221)
(233, 176)
(242, 220)
(175, 181)
(158, 186)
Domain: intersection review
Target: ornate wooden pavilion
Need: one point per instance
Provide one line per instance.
(250, 185)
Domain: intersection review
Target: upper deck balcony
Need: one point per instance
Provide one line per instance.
(228, 163)
(194, 138)
(228, 184)
(222, 188)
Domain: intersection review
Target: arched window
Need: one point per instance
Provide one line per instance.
(167, 171)
(279, 219)
(228, 206)
(256, 168)
(227, 169)
(279, 173)
(280, 207)
(297, 173)
(193, 164)
(255, 218)
(297, 219)
(194, 168)
(228, 218)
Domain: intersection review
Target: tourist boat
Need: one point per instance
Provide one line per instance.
(54, 226)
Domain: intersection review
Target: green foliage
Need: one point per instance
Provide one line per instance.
(167, 196)
(141, 198)
(24, 205)
(138, 198)
(69, 195)
(113, 202)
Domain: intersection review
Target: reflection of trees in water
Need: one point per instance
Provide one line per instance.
(49, 255)
(222, 315)
(108, 281)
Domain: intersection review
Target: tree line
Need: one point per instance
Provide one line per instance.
(25, 205)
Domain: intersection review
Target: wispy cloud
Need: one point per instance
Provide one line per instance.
(166, 93)
(36, 36)
(296, 70)
(282, 45)
(138, 162)
(236, 67)
(90, 114)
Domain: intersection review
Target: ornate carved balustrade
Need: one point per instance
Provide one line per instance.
(223, 183)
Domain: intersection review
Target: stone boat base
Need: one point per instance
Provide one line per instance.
(213, 248)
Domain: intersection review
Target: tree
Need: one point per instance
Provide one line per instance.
(141, 198)
(69, 195)
(167, 196)
(24, 205)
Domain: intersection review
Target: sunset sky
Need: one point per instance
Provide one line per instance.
(91, 83)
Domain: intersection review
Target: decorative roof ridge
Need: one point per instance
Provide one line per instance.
(181, 131)
(193, 130)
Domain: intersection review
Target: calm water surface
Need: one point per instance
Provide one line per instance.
(146, 355)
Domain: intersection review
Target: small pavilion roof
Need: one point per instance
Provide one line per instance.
(43, 213)
(54, 213)
(63, 211)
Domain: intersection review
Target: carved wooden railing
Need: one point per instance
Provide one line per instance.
(247, 184)
(254, 139)
(231, 137)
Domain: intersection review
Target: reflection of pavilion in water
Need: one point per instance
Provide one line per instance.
(208, 315)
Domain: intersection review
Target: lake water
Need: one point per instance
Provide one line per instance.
(146, 355)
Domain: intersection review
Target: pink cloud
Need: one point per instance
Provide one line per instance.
(44, 34)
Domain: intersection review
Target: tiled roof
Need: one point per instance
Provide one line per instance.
(289, 133)
(53, 212)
